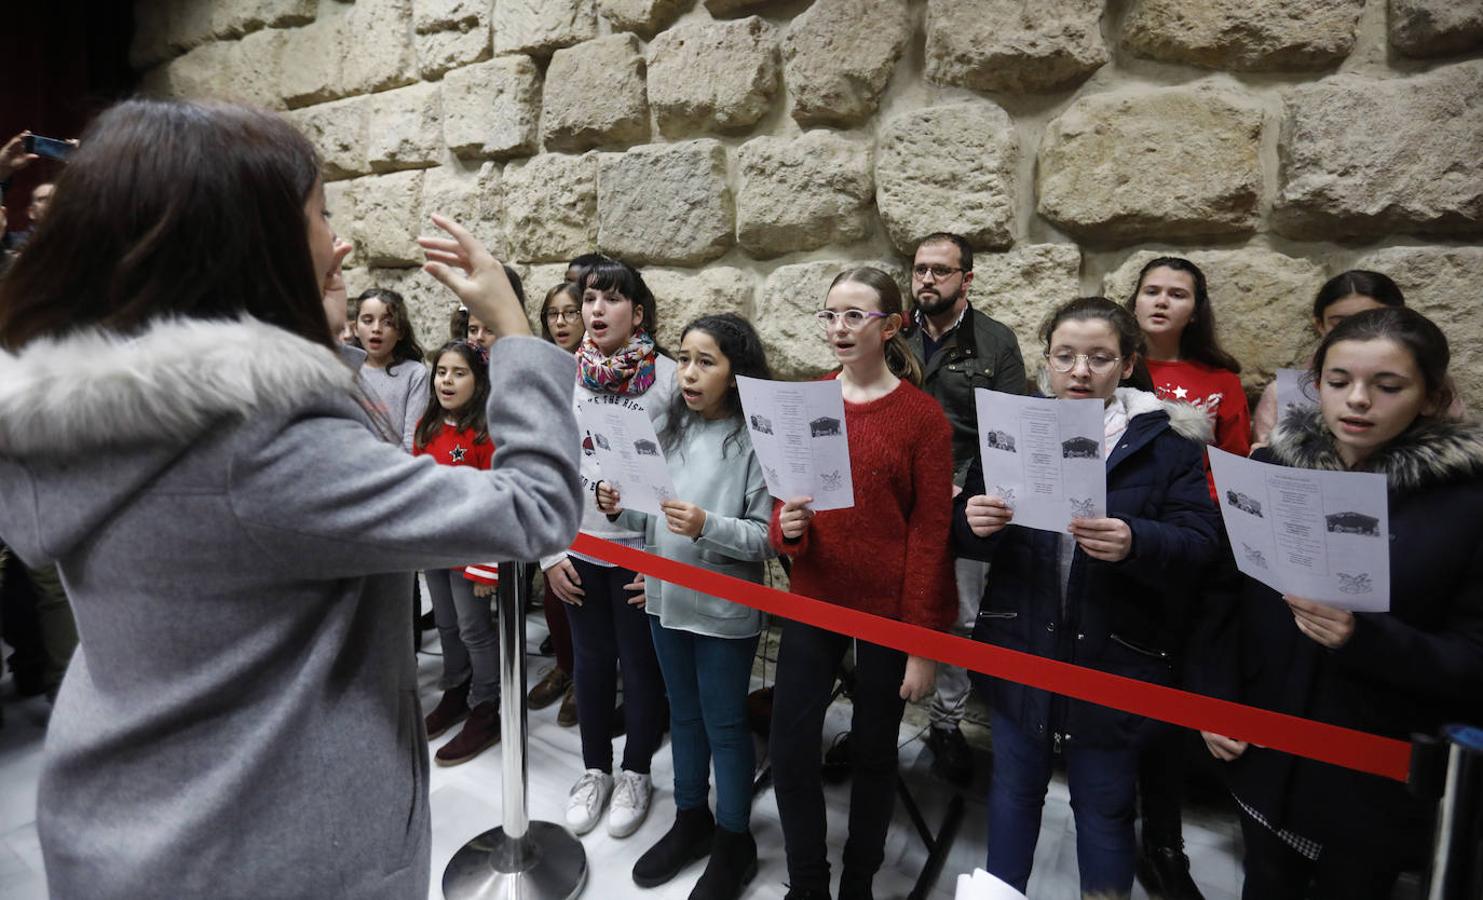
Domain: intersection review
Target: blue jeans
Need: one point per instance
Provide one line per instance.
(1103, 786)
(708, 679)
(466, 634)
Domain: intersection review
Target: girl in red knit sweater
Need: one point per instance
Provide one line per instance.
(887, 555)
(454, 433)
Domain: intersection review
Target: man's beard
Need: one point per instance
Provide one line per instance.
(936, 304)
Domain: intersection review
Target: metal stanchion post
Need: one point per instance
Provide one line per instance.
(522, 860)
(1457, 859)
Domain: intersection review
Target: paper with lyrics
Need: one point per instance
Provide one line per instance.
(798, 432)
(628, 453)
(1295, 389)
(1043, 457)
(1320, 535)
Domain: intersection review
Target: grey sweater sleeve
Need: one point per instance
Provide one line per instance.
(321, 495)
(417, 379)
(743, 537)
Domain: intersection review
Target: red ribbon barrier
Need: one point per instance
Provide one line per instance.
(1358, 750)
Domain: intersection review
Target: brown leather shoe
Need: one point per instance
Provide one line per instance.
(549, 689)
(566, 717)
(479, 733)
(450, 710)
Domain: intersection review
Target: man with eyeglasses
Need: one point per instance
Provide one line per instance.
(961, 348)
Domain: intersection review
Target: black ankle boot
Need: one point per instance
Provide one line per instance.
(733, 863)
(1164, 873)
(687, 840)
(853, 887)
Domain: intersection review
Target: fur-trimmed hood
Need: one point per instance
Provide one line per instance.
(90, 390)
(1186, 420)
(1430, 453)
(89, 419)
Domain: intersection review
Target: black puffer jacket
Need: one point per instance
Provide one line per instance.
(1413, 669)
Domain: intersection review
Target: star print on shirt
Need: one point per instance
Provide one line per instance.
(1180, 393)
(457, 454)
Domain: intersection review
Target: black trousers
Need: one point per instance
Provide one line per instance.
(607, 632)
(808, 659)
(1161, 772)
(1275, 871)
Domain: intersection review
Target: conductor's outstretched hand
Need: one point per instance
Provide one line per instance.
(471, 271)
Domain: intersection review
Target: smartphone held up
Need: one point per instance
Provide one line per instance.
(51, 148)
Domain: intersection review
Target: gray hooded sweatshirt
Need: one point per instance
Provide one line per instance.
(241, 718)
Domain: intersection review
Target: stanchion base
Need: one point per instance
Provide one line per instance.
(547, 864)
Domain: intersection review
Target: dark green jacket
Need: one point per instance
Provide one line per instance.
(980, 353)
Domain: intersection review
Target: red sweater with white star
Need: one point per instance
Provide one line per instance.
(451, 447)
(889, 554)
(1215, 392)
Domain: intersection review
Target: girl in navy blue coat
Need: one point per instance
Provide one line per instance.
(1103, 595)
(1312, 829)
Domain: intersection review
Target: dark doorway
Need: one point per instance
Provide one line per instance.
(66, 60)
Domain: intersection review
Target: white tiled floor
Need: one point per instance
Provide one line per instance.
(466, 802)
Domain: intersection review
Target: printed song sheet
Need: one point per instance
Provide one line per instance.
(1043, 457)
(1315, 534)
(1295, 389)
(628, 454)
(798, 431)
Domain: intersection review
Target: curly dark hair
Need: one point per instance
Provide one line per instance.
(740, 344)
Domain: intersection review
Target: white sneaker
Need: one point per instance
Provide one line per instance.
(631, 794)
(589, 795)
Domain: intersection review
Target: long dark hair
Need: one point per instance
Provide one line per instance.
(739, 343)
(1197, 341)
(472, 417)
(1375, 285)
(407, 348)
(607, 274)
(173, 209)
(1419, 336)
(899, 359)
(1130, 339)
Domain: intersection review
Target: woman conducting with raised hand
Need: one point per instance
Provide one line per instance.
(179, 433)
(1313, 829)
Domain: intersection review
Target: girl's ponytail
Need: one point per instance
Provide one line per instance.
(899, 359)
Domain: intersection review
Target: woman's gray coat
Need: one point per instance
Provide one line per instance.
(241, 718)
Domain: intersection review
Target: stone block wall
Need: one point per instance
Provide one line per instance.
(743, 151)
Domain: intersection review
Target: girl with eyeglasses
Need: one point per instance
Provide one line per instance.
(561, 316)
(886, 555)
(561, 324)
(1099, 595)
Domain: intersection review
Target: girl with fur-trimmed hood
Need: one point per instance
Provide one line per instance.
(1107, 594)
(1382, 390)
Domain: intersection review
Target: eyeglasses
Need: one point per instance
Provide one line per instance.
(920, 270)
(1099, 363)
(556, 315)
(854, 319)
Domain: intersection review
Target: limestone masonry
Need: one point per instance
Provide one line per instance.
(743, 151)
